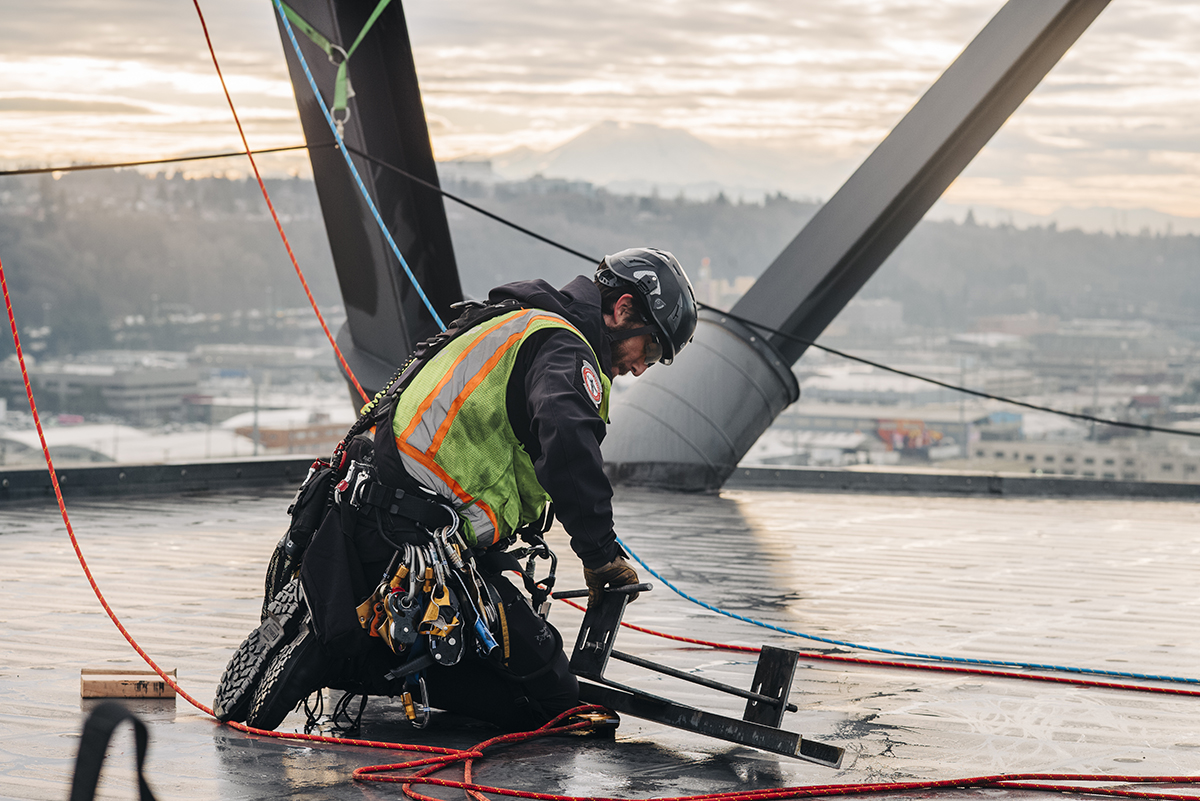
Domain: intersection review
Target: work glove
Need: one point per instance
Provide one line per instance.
(616, 573)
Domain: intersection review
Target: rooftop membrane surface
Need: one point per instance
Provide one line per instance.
(1107, 584)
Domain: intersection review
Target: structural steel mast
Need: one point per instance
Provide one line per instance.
(687, 427)
(385, 317)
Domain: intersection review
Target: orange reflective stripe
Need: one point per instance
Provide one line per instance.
(428, 401)
(475, 381)
(478, 378)
(435, 468)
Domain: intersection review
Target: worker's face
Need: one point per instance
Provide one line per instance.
(629, 355)
(635, 354)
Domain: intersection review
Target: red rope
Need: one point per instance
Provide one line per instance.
(446, 757)
(278, 225)
(857, 660)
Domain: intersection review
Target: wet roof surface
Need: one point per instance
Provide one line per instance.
(1104, 584)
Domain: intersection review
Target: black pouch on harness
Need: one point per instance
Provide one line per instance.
(312, 502)
(308, 509)
(529, 645)
(333, 581)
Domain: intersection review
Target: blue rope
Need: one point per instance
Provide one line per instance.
(353, 170)
(932, 657)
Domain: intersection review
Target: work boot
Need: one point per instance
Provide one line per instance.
(240, 679)
(300, 668)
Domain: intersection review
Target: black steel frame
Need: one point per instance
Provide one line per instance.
(766, 701)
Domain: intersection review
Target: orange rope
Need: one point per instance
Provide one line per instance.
(857, 660)
(444, 757)
(278, 225)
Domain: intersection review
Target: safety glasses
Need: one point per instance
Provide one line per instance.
(654, 350)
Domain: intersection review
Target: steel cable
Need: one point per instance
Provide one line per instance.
(595, 260)
(448, 756)
(775, 331)
(116, 165)
(444, 757)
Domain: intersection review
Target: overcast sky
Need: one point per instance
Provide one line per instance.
(1116, 123)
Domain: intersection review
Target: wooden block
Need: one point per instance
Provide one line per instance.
(108, 683)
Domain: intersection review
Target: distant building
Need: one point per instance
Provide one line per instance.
(875, 434)
(467, 170)
(131, 388)
(877, 387)
(1018, 324)
(1116, 461)
(874, 316)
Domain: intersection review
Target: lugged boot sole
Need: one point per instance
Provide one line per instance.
(235, 692)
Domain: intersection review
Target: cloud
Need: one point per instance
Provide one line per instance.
(818, 83)
(65, 105)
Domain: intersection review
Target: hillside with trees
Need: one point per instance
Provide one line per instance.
(88, 250)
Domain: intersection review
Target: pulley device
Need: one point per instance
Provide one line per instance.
(766, 701)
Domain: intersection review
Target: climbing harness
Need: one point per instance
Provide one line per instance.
(562, 723)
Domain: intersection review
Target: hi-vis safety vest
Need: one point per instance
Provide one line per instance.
(452, 429)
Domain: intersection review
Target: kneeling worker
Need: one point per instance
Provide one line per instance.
(400, 589)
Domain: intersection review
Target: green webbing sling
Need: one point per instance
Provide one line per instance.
(342, 91)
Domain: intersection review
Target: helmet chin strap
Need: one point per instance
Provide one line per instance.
(616, 335)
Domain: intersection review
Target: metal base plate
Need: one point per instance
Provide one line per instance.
(631, 702)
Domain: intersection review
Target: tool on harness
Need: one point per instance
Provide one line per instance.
(401, 628)
(446, 641)
(440, 614)
(534, 535)
(539, 591)
(485, 643)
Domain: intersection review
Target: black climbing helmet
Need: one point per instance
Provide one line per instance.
(662, 291)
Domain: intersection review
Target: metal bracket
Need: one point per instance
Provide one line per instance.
(772, 678)
(766, 700)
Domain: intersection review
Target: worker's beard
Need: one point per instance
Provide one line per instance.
(624, 353)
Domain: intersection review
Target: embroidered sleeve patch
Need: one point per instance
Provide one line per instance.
(591, 383)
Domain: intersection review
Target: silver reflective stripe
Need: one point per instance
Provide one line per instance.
(473, 360)
(481, 524)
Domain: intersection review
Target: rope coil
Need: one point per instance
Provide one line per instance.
(445, 757)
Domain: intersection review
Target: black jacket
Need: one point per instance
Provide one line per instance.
(555, 417)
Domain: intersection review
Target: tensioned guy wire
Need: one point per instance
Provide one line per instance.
(595, 260)
(792, 337)
(116, 165)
